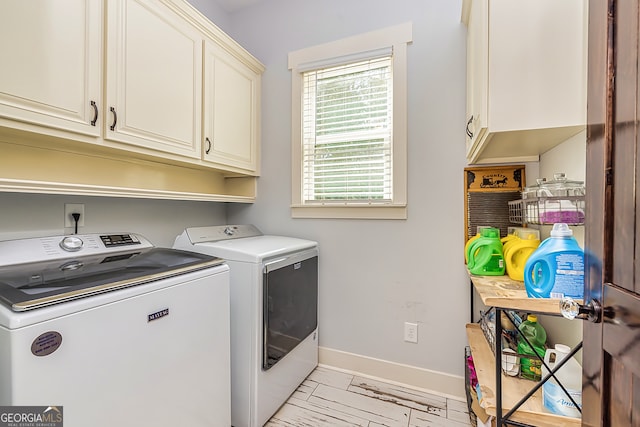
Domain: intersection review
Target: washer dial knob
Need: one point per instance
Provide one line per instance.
(229, 231)
(71, 244)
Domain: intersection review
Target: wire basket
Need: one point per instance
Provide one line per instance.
(513, 363)
(548, 210)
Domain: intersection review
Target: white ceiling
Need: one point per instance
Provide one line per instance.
(235, 5)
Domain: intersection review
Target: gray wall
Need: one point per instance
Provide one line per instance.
(30, 215)
(212, 10)
(375, 275)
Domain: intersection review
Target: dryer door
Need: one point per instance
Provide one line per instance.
(290, 304)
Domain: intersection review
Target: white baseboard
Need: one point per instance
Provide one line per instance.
(447, 385)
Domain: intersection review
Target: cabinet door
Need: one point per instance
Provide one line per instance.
(230, 110)
(154, 78)
(537, 64)
(526, 77)
(477, 70)
(51, 54)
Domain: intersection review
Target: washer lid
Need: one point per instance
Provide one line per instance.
(38, 284)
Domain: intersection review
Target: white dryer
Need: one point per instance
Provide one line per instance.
(274, 314)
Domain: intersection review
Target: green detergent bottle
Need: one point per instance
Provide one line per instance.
(531, 367)
(485, 254)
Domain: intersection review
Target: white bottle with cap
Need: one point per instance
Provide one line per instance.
(554, 399)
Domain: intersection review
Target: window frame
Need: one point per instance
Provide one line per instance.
(348, 50)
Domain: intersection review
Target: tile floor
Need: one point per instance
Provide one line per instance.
(333, 398)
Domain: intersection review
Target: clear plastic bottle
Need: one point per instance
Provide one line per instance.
(554, 399)
(556, 268)
(537, 336)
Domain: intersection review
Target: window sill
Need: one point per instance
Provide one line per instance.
(349, 212)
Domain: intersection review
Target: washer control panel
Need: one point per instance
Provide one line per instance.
(120, 240)
(71, 243)
(59, 247)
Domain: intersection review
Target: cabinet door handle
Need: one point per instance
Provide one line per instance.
(208, 145)
(469, 133)
(115, 118)
(95, 113)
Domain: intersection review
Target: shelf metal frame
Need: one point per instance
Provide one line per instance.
(504, 420)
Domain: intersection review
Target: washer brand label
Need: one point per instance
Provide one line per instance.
(31, 416)
(157, 315)
(46, 343)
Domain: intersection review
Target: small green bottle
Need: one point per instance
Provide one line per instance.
(537, 336)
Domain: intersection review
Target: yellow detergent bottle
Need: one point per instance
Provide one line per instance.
(516, 255)
(509, 240)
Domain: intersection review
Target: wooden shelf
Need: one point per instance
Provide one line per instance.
(69, 168)
(513, 389)
(502, 292)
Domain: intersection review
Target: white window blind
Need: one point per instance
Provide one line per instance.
(347, 133)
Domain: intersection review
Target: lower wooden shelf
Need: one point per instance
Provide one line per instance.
(513, 389)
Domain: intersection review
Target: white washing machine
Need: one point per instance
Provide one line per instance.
(112, 331)
(274, 314)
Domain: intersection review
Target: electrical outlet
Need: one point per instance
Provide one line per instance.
(71, 208)
(411, 332)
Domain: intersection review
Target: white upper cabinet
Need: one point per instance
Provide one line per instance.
(153, 78)
(231, 103)
(150, 79)
(50, 72)
(526, 76)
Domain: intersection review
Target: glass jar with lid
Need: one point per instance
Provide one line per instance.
(559, 186)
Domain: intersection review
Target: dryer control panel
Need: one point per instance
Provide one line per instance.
(221, 232)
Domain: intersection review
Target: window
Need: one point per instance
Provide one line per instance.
(347, 118)
(349, 127)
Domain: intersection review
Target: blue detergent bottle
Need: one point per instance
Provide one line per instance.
(556, 268)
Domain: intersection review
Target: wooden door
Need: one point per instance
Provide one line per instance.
(611, 359)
